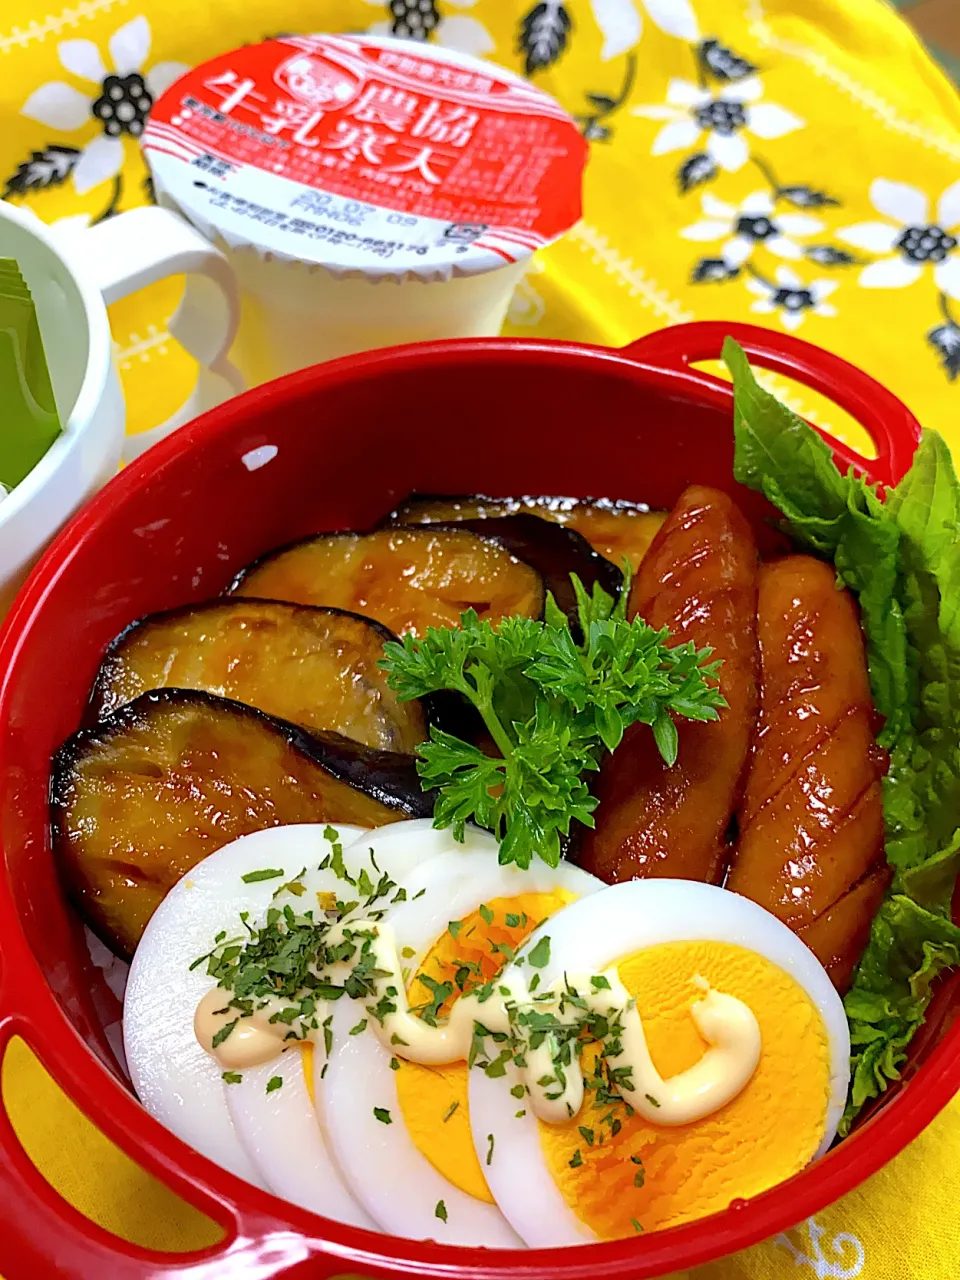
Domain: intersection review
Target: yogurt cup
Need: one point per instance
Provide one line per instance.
(366, 191)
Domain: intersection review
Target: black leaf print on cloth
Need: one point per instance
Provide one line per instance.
(806, 197)
(828, 255)
(945, 340)
(50, 167)
(413, 19)
(797, 194)
(716, 60)
(593, 124)
(695, 171)
(543, 35)
(713, 271)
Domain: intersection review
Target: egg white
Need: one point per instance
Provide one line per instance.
(178, 1083)
(280, 1130)
(396, 1183)
(413, 841)
(587, 937)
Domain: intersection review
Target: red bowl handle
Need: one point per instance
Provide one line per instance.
(891, 426)
(43, 1234)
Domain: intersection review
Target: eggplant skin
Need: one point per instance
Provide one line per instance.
(617, 530)
(171, 777)
(317, 668)
(409, 579)
(554, 551)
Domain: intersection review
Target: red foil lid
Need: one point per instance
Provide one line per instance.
(365, 153)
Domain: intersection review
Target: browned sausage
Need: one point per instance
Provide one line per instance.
(839, 937)
(698, 579)
(811, 822)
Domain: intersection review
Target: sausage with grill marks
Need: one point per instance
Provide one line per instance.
(699, 580)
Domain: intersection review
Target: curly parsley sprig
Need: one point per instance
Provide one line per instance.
(552, 701)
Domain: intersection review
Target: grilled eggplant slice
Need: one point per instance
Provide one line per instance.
(406, 579)
(617, 530)
(553, 551)
(140, 798)
(315, 667)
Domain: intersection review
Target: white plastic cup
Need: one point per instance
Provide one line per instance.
(294, 315)
(366, 191)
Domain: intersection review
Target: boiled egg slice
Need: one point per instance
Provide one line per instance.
(400, 1131)
(272, 1105)
(606, 1174)
(178, 1083)
(407, 844)
(272, 1108)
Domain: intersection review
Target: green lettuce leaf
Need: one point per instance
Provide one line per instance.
(837, 517)
(901, 558)
(886, 1005)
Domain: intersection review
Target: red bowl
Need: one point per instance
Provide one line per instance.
(352, 437)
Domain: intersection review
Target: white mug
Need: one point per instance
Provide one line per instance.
(71, 284)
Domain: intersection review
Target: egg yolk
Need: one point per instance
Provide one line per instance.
(306, 1052)
(434, 1099)
(620, 1173)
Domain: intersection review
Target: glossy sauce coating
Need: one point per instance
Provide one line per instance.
(408, 579)
(172, 777)
(618, 530)
(811, 822)
(315, 667)
(839, 937)
(698, 579)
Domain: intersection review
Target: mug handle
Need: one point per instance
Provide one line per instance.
(135, 249)
(891, 426)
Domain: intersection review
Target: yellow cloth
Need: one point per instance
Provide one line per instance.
(847, 122)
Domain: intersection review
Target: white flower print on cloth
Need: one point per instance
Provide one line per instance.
(791, 298)
(911, 236)
(621, 24)
(751, 224)
(120, 99)
(848, 1254)
(418, 19)
(723, 115)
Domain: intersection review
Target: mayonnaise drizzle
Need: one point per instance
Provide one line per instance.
(253, 1041)
(726, 1024)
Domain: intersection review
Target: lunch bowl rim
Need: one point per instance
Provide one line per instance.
(249, 1216)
